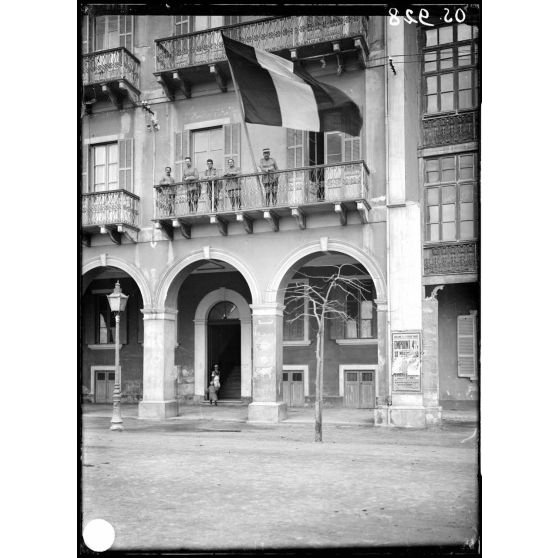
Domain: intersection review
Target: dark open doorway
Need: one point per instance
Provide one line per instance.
(224, 350)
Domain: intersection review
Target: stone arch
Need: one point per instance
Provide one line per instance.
(329, 245)
(166, 293)
(200, 339)
(130, 269)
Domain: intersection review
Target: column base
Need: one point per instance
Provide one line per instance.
(157, 409)
(267, 412)
(401, 416)
(433, 416)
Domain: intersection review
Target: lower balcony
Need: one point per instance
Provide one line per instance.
(293, 193)
(451, 259)
(113, 212)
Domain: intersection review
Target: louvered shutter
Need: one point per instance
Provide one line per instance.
(337, 323)
(125, 30)
(351, 146)
(125, 164)
(181, 150)
(88, 319)
(231, 133)
(84, 168)
(467, 361)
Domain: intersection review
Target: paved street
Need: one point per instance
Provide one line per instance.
(209, 481)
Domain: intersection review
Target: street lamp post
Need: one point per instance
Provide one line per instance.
(117, 301)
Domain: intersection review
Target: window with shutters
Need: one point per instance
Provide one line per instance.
(451, 194)
(181, 150)
(105, 322)
(450, 77)
(108, 166)
(467, 346)
(295, 316)
(113, 31)
(358, 304)
(341, 148)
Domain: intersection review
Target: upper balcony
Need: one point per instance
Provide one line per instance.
(458, 259)
(112, 212)
(293, 193)
(184, 60)
(111, 74)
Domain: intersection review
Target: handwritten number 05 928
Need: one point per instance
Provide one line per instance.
(423, 15)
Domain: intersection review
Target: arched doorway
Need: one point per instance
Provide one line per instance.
(223, 347)
(98, 334)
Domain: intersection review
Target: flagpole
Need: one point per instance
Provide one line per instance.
(243, 115)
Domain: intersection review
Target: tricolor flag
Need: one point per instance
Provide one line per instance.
(275, 93)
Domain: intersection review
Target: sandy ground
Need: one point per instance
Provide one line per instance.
(217, 484)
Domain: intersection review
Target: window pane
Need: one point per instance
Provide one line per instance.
(334, 148)
(465, 99)
(448, 212)
(431, 85)
(433, 214)
(464, 55)
(448, 231)
(448, 194)
(297, 376)
(100, 154)
(466, 169)
(285, 376)
(448, 169)
(100, 175)
(446, 101)
(446, 82)
(433, 196)
(434, 232)
(467, 229)
(465, 80)
(430, 61)
(445, 35)
(113, 173)
(464, 32)
(467, 212)
(432, 103)
(352, 376)
(448, 163)
(446, 58)
(368, 376)
(351, 329)
(432, 164)
(432, 177)
(431, 37)
(113, 153)
(466, 192)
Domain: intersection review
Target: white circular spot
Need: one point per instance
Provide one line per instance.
(98, 535)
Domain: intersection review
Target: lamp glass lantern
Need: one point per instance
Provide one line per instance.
(117, 299)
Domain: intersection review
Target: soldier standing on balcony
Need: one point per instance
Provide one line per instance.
(269, 179)
(213, 186)
(232, 185)
(166, 197)
(190, 178)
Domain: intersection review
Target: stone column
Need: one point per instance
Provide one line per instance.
(430, 374)
(382, 379)
(159, 340)
(267, 335)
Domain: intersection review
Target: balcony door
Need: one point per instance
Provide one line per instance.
(105, 167)
(208, 144)
(113, 31)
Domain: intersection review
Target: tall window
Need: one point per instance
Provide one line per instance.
(105, 322)
(181, 24)
(112, 31)
(295, 320)
(449, 68)
(361, 310)
(208, 144)
(451, 197)
(105, 167)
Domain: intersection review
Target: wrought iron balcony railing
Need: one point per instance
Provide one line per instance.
(110, 65)
(113, 207)
(260, 191)
(275, 34)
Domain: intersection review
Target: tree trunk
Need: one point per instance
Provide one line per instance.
(319, 381)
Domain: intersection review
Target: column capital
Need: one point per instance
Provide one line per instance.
(267, 309)
(381, 305)
(159, 314)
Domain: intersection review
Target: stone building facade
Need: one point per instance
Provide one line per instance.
(206, 271)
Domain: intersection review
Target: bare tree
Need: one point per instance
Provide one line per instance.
(324, 304)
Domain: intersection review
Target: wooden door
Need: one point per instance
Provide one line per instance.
(360, 389)
(104, 386)
(293, 388)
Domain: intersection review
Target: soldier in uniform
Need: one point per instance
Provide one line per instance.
(213, 186)
(190, 178)
(232, 186)
(269, 178)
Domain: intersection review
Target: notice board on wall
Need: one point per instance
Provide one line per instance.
(405, 361)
